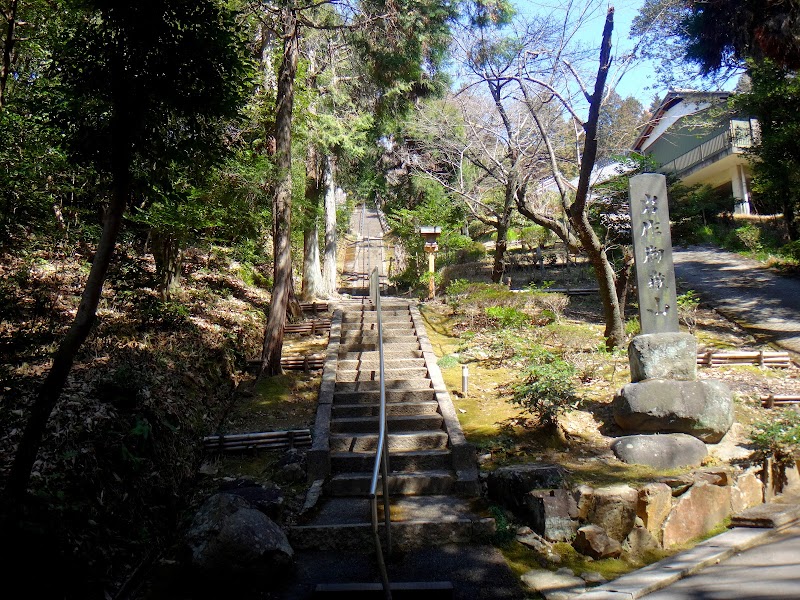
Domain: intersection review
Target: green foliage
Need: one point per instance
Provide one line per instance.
(505, 531)
(447, 361)
(748, 237)
(632, 327)
(774, 98)
(508, 316)
(535, 236)
(547, 389)
(688, 302)
(791, 250)
(778, 436)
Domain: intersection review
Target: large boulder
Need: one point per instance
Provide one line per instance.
(509, 485)
(552, 514)
(268, 499)
(747, 491)
(593, 541)
(653, 507)
(663, 356)
(613, 508)
(665, 451)
(703, 409)
(696, 513)
(230, 539)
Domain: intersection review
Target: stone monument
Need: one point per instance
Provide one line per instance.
(664, 395)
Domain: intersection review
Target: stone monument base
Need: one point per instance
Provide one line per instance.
(703, 409)
(666, 451)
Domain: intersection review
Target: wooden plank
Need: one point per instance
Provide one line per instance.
(266, 440)
(774, 400)
(759, 357)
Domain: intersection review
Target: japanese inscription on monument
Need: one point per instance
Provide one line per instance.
(652, 249)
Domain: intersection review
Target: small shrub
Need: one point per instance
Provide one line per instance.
(472, 252)
(551, 303)
(633, 327)
(748, 236)
(791, 250)
(547, 389)
(779, 436)
(507, 316)
(457, 287)
(687, 309)
(447, 361)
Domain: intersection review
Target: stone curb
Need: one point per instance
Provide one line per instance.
(465, 461)
(318, 458)
(666, 572)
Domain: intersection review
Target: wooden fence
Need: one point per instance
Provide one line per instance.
(312, 327)
(312, 362)
(774, 400)
(314, 307)
(713, 358)
(266, 440)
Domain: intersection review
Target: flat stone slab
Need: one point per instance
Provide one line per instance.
(553, 586)
(665, 451)
(772, 516)
(665, 572)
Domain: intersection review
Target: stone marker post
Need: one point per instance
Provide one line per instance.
(652, 249)
(664, 395)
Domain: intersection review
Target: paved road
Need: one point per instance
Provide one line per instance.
(767, 305)
(768, 572)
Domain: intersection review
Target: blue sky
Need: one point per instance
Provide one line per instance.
(638, 82)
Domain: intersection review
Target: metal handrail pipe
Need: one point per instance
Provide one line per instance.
(381, 465)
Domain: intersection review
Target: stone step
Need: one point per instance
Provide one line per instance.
(393, 409)
(421, 460)
(418, 382)
(425, 422)
(388, 347)
(397, 364)
(370, 335)
(367, 374)
(398, 441)
(343, 524)
(374, 397)
(368, 321)
(372, 315)
(400, 484)
(393, 326)
(388, 353)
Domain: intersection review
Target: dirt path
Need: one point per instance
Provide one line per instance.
(765, 304)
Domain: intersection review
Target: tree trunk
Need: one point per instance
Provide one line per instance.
(604, 272)
(329, 265)
(499, 266)
(312, 274)
(623, 281)
(312, 270)
(282, 202)
(84, 318)
(168, 257)
(8, 49)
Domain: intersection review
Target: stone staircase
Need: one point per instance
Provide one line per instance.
(433, 472)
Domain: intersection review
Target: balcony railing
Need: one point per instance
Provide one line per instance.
(740, 135)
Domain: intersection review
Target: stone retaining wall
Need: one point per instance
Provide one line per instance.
(660, 514)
